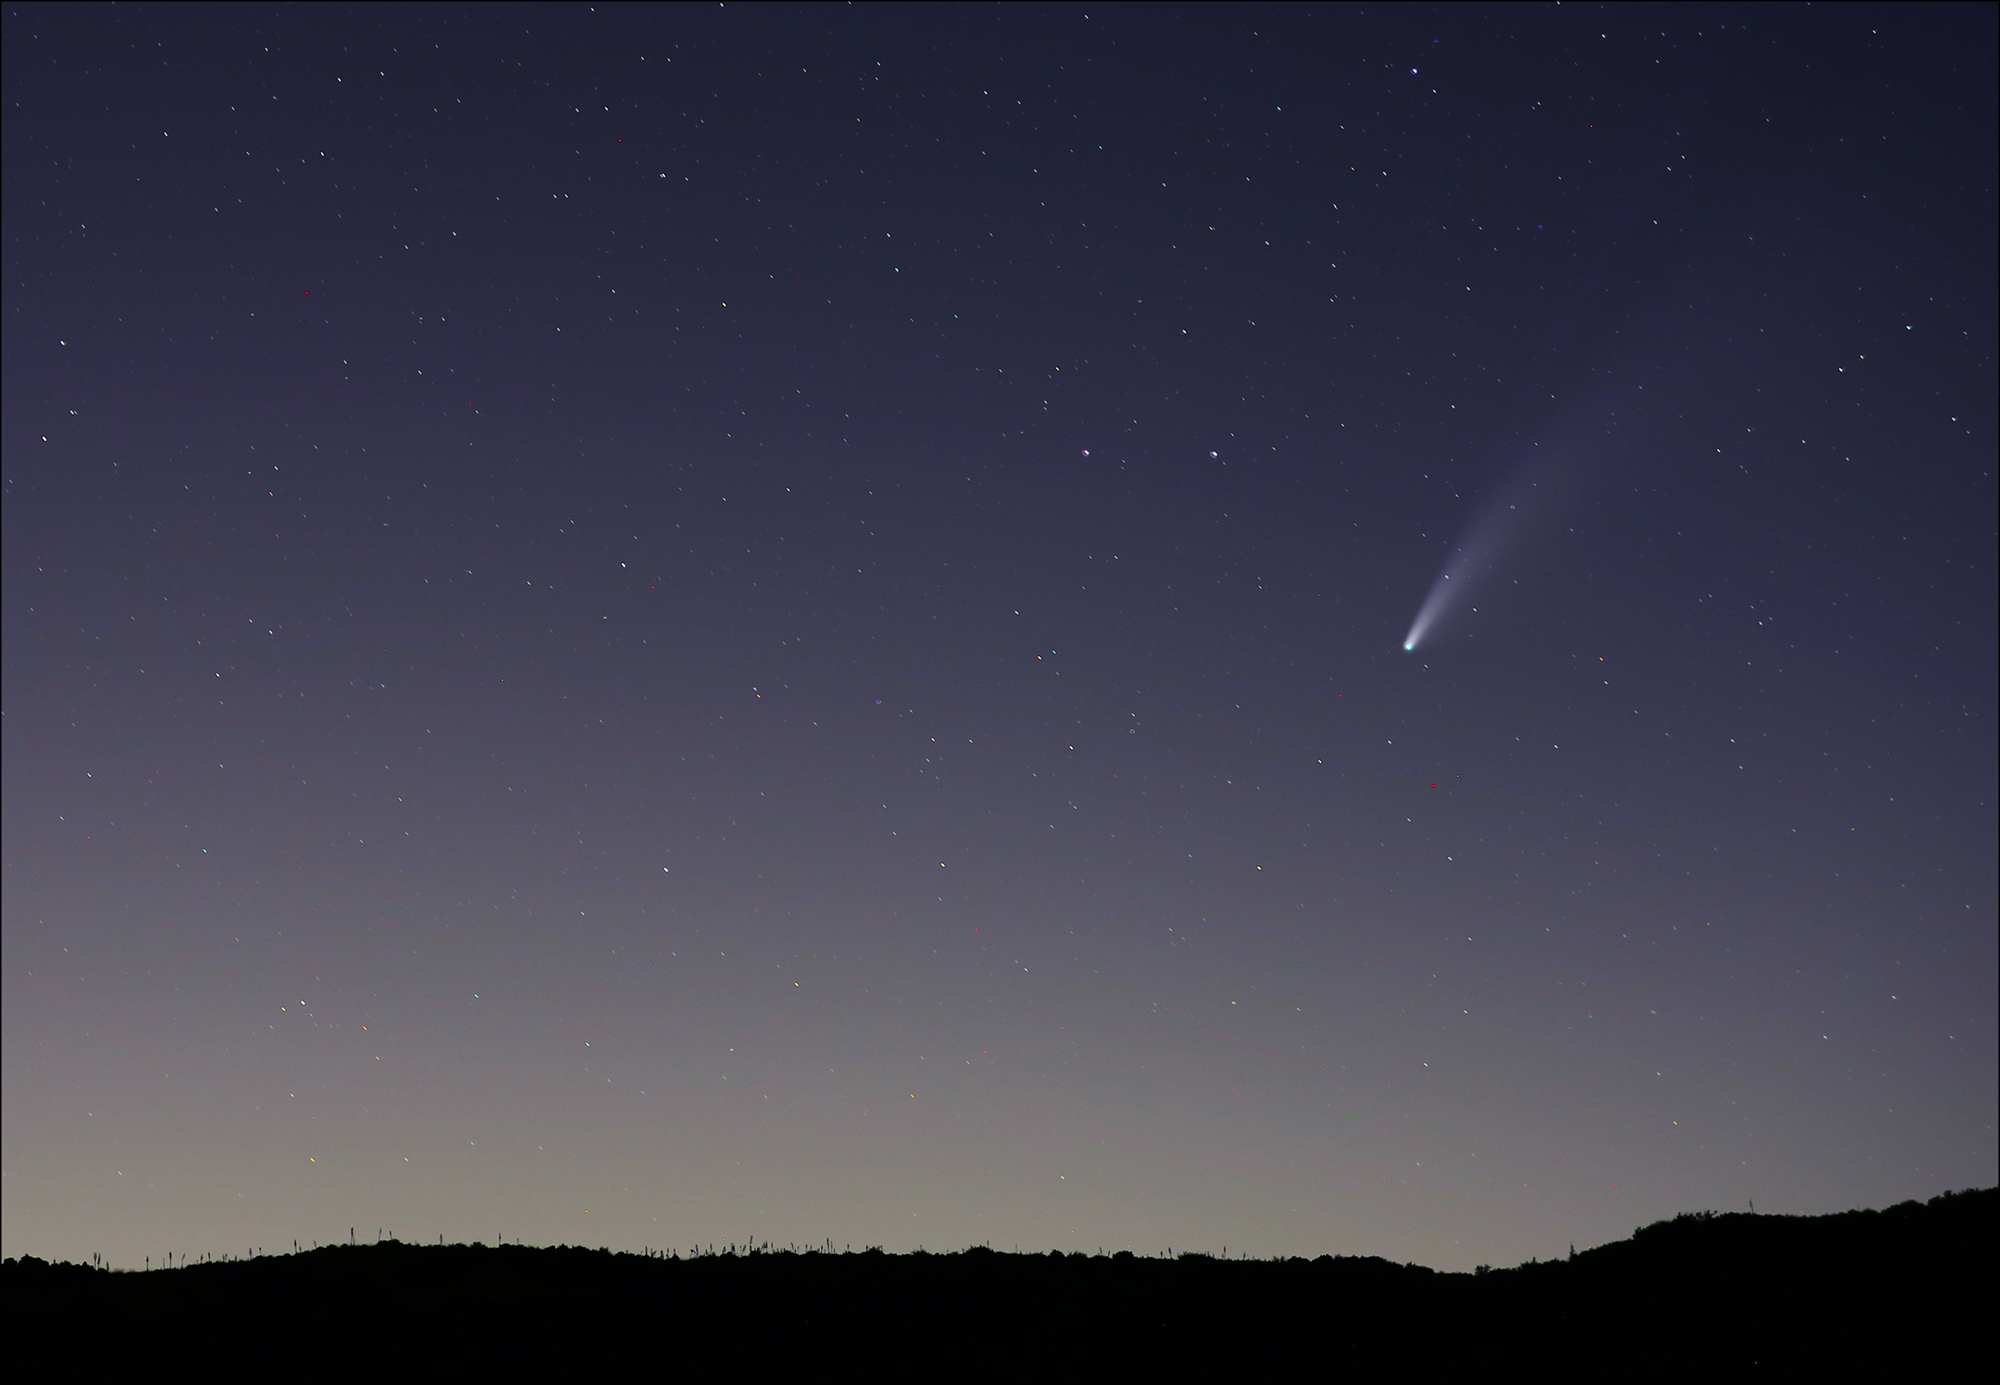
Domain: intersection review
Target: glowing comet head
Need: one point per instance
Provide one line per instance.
(1428, 613)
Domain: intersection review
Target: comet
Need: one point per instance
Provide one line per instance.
(1500, 525)
(1552, 475)
(1459, 576)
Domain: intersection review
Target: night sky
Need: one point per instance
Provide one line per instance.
(644, 627)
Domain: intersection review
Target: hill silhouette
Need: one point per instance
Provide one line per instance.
(1903, 1293)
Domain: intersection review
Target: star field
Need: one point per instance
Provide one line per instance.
(644, 626)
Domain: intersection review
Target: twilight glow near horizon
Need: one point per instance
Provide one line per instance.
(648, 626)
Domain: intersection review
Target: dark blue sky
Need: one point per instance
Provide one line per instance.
(642, 626)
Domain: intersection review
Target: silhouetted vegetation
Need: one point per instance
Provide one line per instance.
(1903, 1293)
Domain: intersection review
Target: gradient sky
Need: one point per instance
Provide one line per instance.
(645, 626)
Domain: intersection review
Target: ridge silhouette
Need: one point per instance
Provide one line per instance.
(1901, 1293)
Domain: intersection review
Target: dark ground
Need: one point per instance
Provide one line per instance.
(1905, 1294)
